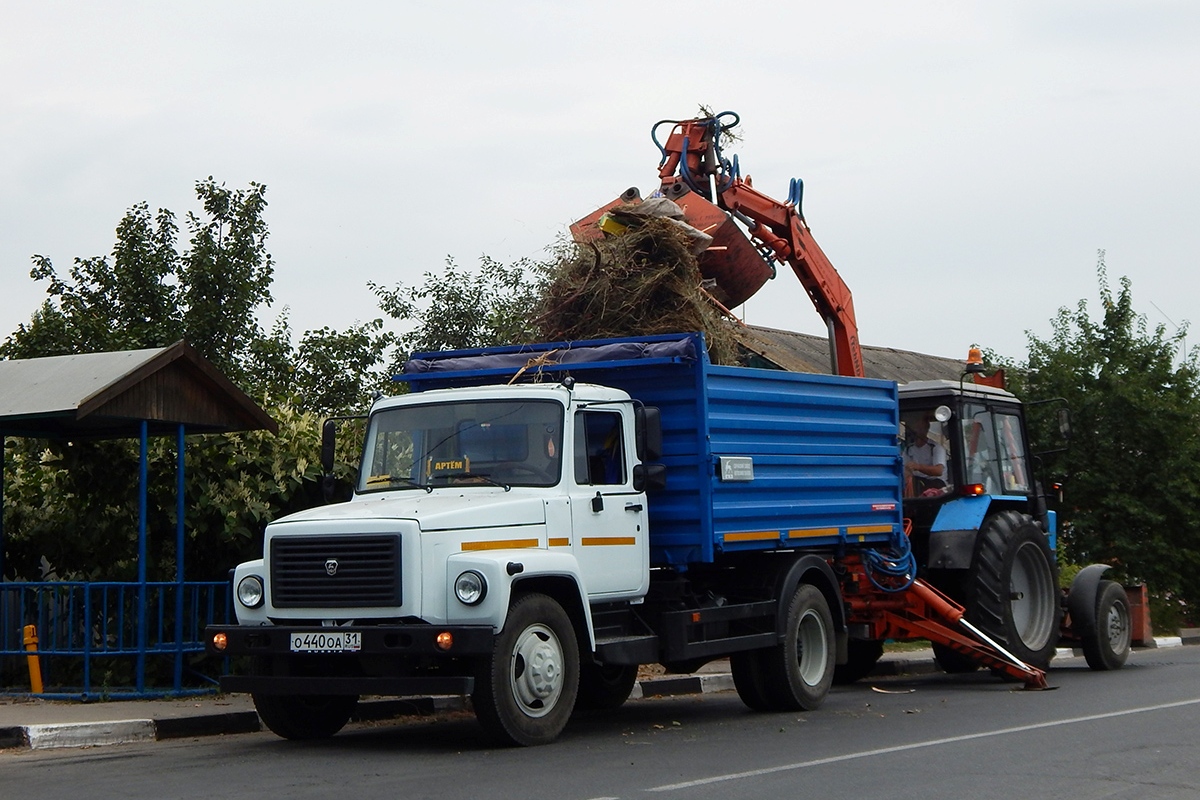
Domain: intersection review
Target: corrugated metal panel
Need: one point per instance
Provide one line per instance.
(825, 454)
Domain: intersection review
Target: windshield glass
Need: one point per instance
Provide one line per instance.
(994, 448)
(485, 442)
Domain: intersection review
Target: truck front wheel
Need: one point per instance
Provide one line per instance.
(525, 691)
(304, 716)
(798, 672)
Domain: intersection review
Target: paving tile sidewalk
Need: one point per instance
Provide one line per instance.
(34, 723)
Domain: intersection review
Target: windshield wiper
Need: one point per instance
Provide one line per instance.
(375, 482)
(467, 478)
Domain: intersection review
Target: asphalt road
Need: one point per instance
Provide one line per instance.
(1129, 734)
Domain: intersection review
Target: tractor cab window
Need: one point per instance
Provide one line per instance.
(926, 450)
(993, 446)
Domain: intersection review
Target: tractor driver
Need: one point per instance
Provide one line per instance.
(926, 470)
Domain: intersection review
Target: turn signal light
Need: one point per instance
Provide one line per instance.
(220, 641)
(445, 640)
(973, 489)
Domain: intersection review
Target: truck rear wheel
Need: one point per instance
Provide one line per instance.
(861, 657)
(304, 716)
(1108, 645)
(525, 691)
(603, 687)
(798, 672)
(747, 672)
(1012, 588)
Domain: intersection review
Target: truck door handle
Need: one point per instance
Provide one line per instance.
(634, 507)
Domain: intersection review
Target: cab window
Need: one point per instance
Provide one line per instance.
(599, 449)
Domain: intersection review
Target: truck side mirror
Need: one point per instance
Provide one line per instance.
(328, 436)
(649, 477)
(647, 426)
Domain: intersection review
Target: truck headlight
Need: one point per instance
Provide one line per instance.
(470, 588)
(250, 591)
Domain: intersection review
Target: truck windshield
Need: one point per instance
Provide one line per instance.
(486, 442)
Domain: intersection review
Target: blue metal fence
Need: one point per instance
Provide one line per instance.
(138, 634)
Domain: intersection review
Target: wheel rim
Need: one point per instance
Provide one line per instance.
(1032, 596)
(1117, 625)
(812, 648)
(536, 670)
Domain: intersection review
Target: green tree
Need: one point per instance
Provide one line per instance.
(1133, 465)
(331, 372)
(150, 295)
(456, 308)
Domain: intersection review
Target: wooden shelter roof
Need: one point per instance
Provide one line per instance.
(108, 395)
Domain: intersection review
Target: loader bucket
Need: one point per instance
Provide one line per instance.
(731, 260)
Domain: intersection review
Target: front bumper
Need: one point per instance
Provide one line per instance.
(394, 641)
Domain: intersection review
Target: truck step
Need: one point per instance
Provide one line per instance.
(627, 650)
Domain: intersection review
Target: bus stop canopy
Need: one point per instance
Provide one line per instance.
(109, 395)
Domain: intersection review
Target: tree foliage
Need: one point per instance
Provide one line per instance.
(151, 295)
(1133, 466)
(456, 308)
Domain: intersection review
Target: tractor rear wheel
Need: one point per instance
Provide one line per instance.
(1012, 588)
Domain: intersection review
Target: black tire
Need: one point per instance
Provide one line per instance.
(304, 716)
(603, 687)
(952, 661)
(798, 671)
(1012, 588)
(861, 657)
(746, 668)
(525, 691)
(1107, 647)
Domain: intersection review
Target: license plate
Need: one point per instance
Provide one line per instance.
(332, 642)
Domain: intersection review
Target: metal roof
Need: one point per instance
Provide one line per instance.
(803, 352)
(108, 395)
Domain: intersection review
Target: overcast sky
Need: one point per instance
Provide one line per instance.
(963, 161)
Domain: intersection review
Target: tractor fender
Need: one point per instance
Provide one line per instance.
(1081, 599)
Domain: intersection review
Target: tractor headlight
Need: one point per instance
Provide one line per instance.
(250, 591)
(470, 588)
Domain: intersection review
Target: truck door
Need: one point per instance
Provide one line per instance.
(608, 517)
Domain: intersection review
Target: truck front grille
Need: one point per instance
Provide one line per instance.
(354, 571)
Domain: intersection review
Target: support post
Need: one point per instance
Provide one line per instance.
(179, 542)
(143, 476)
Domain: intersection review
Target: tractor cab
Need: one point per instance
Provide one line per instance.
(965, 449)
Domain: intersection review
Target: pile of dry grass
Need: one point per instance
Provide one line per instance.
(640, 283)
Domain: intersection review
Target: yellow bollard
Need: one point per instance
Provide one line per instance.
(35, 667)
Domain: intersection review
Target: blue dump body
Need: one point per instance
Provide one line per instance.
(756, 459)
